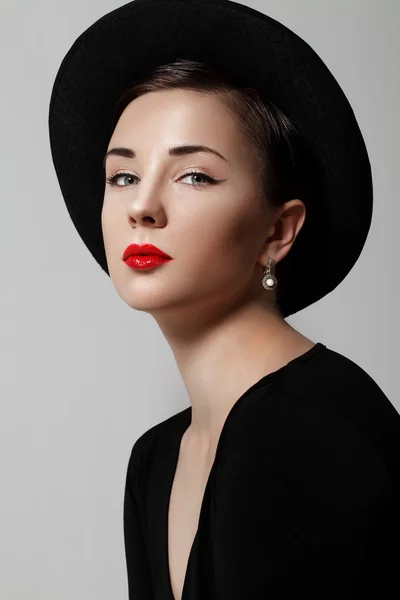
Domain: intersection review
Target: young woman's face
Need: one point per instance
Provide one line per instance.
(213, 232)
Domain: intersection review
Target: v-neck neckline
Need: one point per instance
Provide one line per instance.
(174, 456)
(174, 462)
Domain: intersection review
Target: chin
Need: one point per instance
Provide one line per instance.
(141, 296)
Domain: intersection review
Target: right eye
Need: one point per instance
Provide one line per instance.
(113, 178)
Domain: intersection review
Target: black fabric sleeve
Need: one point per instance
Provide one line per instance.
(137, 559)
(304, 508)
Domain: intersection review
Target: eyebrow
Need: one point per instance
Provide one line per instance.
(176, 151)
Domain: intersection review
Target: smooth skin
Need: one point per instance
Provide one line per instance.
(208, 301)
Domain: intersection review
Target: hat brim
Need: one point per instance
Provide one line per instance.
(125, 43)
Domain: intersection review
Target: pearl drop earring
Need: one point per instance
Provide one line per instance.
(269, 281)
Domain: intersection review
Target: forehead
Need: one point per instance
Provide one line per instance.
(178, 116)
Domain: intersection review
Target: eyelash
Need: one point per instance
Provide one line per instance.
(112, 179)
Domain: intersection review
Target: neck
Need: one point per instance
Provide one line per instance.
(219, 358)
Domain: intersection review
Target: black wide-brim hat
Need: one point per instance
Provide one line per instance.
(107, 58)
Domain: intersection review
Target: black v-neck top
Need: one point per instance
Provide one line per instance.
(302, 499)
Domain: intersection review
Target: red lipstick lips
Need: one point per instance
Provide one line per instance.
(144, 256)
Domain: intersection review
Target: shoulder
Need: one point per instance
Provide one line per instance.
(298, 434)
(153, 438)
(337, 382)
(343, 396)
(326, 421)
(296, 459)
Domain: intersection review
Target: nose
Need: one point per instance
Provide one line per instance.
(145, 206)
(145, 215)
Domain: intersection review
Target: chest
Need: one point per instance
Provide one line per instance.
(187, 492)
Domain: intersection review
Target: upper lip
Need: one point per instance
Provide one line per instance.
(138, 249)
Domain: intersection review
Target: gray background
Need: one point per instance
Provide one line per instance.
(77, 387)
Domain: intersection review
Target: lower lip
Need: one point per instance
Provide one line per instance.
(145, 262)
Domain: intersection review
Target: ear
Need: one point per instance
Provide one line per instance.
(288, 220)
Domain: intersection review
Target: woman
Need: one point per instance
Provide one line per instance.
(282, 476)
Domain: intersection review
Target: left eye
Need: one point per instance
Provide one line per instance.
(114, 178)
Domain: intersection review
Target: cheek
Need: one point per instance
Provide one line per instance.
(111, 225)
(214, 247)
(244, 237)
(105, 227)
